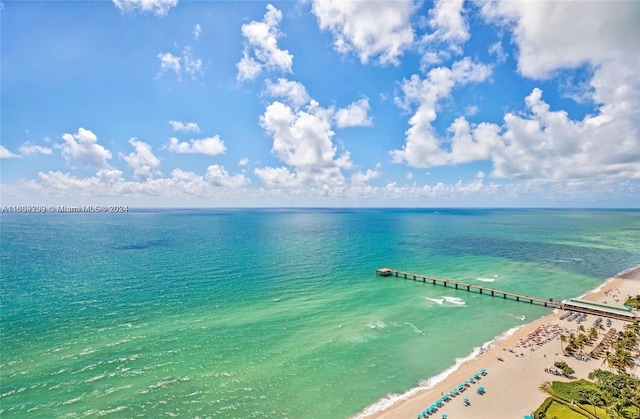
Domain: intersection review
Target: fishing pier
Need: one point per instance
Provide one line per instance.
(572, 304)
(480, 289)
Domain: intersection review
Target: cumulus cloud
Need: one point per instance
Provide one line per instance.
(82, 149)
(109, 182)
(553, 35)
(184, 126)
(142, 160)
(449, 32)
(180, 65)
(423, 146)
(302, 139)
(169, 62)
(28, 148)
(354, 115)
(6, 154)
(262, 40)
(548, 145)
(361, 178)
(373, 30)
(218, 176)
(210, 146)
(292, 92)
(156, 7)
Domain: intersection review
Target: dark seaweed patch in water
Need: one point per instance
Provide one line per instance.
(139, 246)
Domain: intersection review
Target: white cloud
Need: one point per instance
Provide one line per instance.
(497, 50)
(179, 65)
(217, 175)
(210, 146)
(423, 145)
(302, 139)
(262, 38)
(184, 126)
(169, 62)
(110, 183)
(450, 32)
(471, 110)
(243, 162)
(197, 31)
(248, 68)
(28, 148)
(447, 20)
(292, 91)
(373, 30)
(157, 7)
(548, 145)
(277, 177)
(82, 148)
(354, 115)
(142, 160)
(6, 154)
(361, 178)
(561, 34)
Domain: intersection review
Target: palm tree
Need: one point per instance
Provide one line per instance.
(633, 396)
(609, 359)
(601, 327)
(563, 339)
(593, 333)
(615, 410)
(594, 399)
(624, 360)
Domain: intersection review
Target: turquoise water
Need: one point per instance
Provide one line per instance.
(271, 313)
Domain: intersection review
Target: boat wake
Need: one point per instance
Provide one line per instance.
(451, 300)
(415, 329)
(521, 318)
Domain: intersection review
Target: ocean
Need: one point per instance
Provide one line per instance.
(273, 313)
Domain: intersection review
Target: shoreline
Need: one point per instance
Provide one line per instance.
(510, 373)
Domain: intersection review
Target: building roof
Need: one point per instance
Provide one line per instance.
(618, 310)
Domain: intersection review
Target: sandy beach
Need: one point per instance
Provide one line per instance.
(515, 365)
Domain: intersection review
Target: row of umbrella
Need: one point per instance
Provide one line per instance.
(448, 396)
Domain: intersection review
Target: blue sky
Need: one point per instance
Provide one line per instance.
(320, 103)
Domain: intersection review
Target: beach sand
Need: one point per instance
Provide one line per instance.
(512, 386)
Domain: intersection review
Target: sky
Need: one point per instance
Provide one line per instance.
(174, 103)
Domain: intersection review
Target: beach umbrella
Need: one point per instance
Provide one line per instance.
(445, 416)
(483, 371)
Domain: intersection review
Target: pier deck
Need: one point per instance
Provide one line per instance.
(480, 289)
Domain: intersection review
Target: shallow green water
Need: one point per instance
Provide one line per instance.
(272, 313)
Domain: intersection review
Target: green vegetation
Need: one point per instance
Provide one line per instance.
(633, 301)
(566, 369)
(610, 394)
(559, 410)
